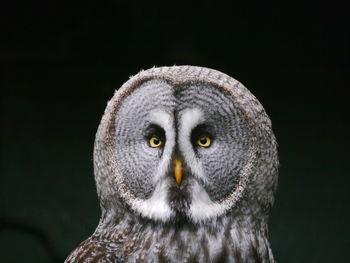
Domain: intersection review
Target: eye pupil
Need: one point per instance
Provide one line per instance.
(203, 140)
(156, 141)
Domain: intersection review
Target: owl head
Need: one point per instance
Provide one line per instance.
(185, 142)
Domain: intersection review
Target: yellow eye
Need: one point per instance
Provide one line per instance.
(155, 141)
(204, 141)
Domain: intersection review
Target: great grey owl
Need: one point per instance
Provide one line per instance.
(185, 165)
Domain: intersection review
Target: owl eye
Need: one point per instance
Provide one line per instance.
(155, 141)
(204, 141)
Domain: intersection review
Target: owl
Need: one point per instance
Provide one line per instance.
(186, 167)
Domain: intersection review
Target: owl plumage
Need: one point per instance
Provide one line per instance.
(186, 168)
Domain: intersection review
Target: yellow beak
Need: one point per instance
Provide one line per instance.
(178, 164)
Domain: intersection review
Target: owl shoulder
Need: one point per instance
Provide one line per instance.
(93, 250)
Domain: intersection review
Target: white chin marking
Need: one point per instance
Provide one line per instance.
(202, 207)
(156, 207)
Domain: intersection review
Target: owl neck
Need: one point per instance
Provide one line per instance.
(225, 240)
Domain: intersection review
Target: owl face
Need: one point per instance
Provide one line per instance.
(180, 150)
(183, 146)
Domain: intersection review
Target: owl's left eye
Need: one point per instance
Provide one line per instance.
(155, 141)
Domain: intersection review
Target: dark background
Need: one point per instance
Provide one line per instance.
(62, 62)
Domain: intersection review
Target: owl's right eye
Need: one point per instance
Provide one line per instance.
(204, 141)
(155, 141)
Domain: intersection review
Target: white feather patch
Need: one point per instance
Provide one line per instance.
(202, 207)
(189, 119)
(156, 207)
(164, 120)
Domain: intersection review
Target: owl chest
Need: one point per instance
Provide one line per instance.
(150, 246)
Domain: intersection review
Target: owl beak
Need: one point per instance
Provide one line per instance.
(178, 167)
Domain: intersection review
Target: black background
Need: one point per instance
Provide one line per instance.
(62, 62)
